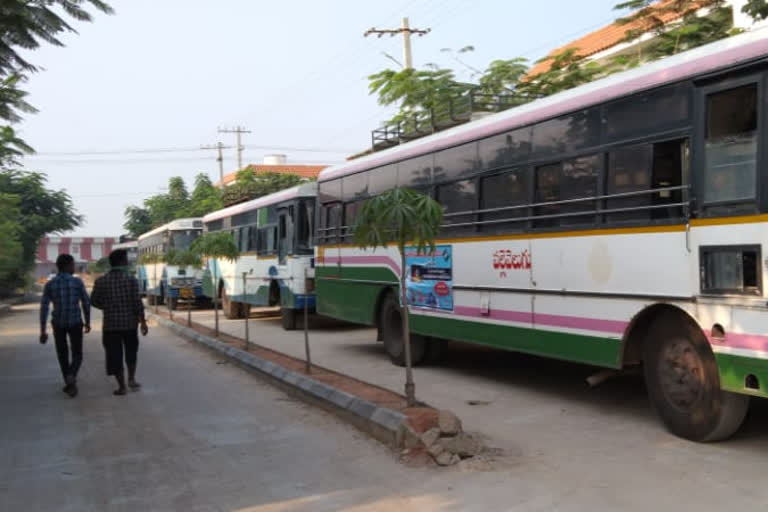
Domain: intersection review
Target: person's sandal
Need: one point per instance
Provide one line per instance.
(135, 386)
(119, 392)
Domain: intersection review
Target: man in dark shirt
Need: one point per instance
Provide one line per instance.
(117, 295)
(67, 294)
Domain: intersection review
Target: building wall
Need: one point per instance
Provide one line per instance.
(84, 249)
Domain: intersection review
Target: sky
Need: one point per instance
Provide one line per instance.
(131, 98)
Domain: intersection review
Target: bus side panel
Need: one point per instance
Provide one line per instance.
(349, 300)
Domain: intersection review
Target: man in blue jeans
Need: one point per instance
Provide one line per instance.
(67, 293)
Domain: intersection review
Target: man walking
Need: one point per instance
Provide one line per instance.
(67, 293)
(117, 295)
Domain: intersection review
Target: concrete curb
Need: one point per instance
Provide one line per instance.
(387, 425)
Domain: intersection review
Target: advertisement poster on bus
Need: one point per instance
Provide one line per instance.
(429, 277)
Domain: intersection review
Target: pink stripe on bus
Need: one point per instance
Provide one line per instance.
(745, 341)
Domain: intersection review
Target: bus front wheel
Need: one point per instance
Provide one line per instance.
(391, 322)
(684, 385)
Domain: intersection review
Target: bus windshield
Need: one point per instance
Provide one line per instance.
(182, 240)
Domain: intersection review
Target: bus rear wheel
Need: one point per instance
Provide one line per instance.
(288, 318)
(684, 385)
(391, 322)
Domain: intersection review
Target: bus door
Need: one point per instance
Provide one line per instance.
(728, 163)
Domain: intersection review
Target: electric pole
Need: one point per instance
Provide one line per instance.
(220, 158)
(237, 130)
(406, 31)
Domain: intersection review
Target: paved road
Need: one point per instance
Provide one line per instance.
(603, 442)
(208, 436)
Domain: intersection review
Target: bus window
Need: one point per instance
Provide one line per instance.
(382, 179)
(579, 180)
(509, 188)
(629, 170)
(350, 214)
(506, 148)
(460, 196)
(547, 189)
(669, 164)
(253, 238)
(731, 145)
(182, 240)
(330, 217)
(415, 172)
(456, 162)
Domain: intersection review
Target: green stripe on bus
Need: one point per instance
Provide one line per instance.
(559, 345)
(356, 302)
(735, 369)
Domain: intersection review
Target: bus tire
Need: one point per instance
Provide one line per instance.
(392, 332)
(288, 318)
(231, 309)
(683, 383)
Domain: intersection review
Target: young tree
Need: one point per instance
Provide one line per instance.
(219, 245)
(400, 217)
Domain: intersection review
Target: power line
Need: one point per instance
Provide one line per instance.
(119, 161)
(275, 147)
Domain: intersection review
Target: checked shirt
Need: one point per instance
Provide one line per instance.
(66, 292)
(117, 295)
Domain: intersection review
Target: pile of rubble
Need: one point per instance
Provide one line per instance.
(447, 443)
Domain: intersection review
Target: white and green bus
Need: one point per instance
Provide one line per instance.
(620, 223)
(276, 263)
(161, 281)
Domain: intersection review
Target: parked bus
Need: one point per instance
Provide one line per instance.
(162, 280)
(274, 236)
(132, 249)
(620, 223)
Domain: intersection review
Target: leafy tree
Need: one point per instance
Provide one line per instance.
(400, 216)
(11, 147)
(567, 70)
(205, 197)
(24, 25)
(757, 9)
(503, 76)
(137, 221)
(11, 250)
(418, 92)
(250, 185)
(177, 203)
(164, 208)
(40, 211)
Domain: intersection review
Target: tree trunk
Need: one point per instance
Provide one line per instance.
(410, 387)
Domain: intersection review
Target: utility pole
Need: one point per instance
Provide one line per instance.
(220, 158)
(406, 31)
(237, 130)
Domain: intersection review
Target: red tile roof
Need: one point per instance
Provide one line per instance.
(305, 171)
(613, 34)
